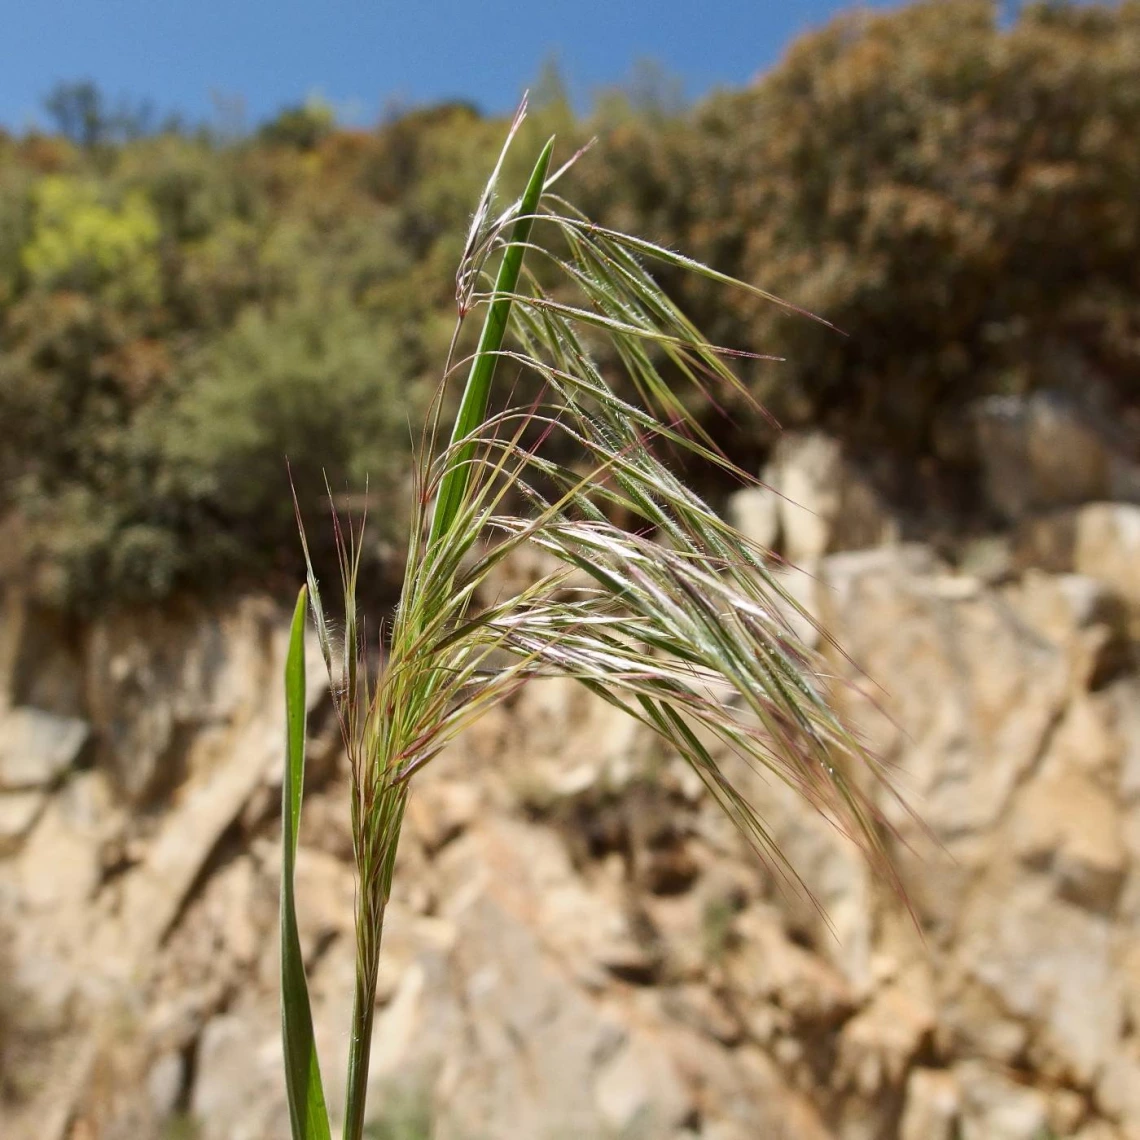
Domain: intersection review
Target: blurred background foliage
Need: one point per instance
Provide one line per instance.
(180, 309)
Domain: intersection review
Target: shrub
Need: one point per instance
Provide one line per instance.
(956, 195)
(81, 242)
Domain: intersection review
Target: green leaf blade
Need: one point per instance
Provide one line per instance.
(473, 407)
(307, 1112)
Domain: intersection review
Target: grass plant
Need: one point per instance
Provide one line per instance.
(678, 622)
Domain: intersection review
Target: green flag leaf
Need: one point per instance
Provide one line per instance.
(307, 1112)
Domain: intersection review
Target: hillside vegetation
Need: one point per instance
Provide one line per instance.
(179, 310)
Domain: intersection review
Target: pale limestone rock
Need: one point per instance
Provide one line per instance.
(696, 1006)
(723, 1130)
(238, 1092)
(1130, 971)
(155, 894)
(407, 938)
(1053, 965)
(767, 967)
(1060, 605)
(87, 946)
(1091, 738)
(933, 1103)
(1107, 547)
(964, 737)
(160, 685)
(225, 762)
(57, 873)
(529, 872)
(694, 930)
(974, 1021)
(755, 512)
(394, 1035)
(800, 609)
(1100, 1130)
(1067, 826)
(1126, 702)
(164, 1084)
(565, 742)
(988, 558)
(638, 1088)
(750, 511)
(1118, 1090)
(37, 747)
(811, 501)
(878, 1045)
(742, 1093)
(533, 1042)
(807, 472)
(439, 810)
(18, 812)
(995, 1108)
(824, 502)
(526, 566)
(1067, 1110)
(835, 880)
(1082, 616)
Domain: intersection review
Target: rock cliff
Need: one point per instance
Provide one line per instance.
(579, 946)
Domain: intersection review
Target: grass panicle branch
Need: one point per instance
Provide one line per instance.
(680, 622)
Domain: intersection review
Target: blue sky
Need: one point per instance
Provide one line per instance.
(364, 55)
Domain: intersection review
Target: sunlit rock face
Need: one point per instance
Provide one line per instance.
(579, 943)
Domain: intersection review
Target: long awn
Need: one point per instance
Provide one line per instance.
(680, 623)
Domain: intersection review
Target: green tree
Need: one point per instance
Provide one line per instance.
(957, 196)
(316, 381)
(953, 189)
(79, 112)
(81, 242)
(302, 127)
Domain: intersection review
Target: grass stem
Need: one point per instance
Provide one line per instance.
(360, 1047)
